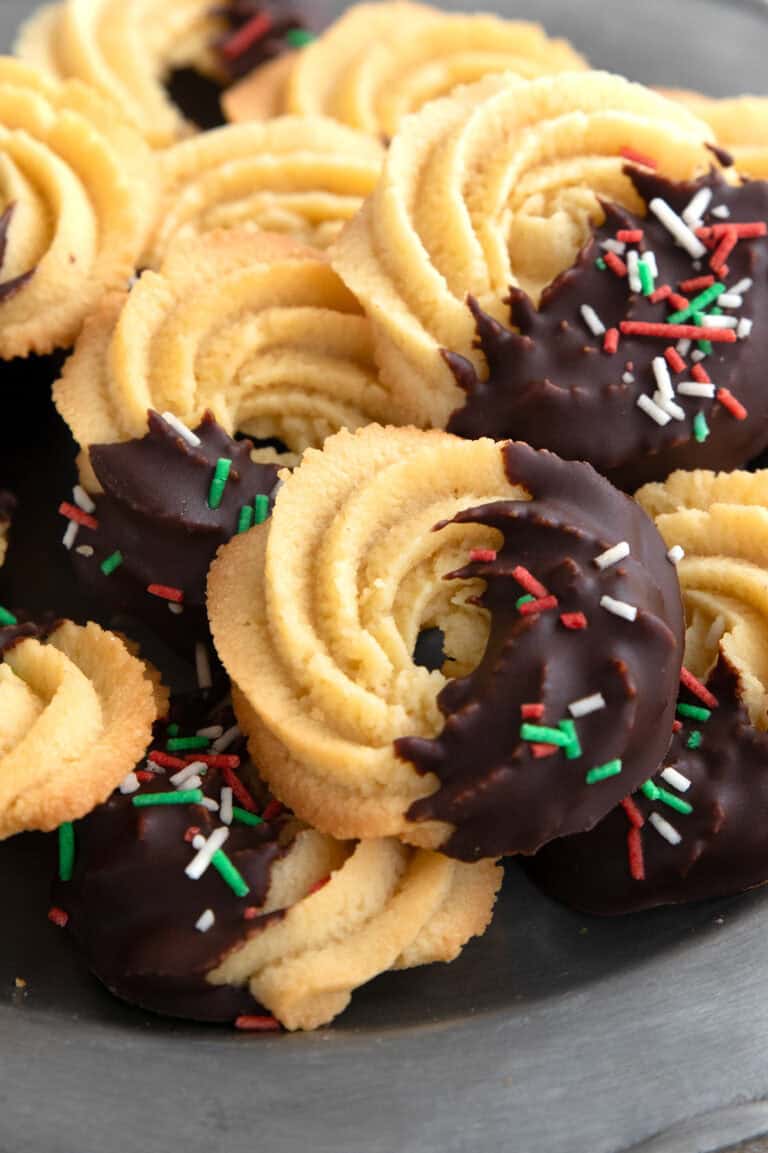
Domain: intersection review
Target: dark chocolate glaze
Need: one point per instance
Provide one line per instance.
(9, 288)
(38, 628)
(7, 506)
(237, 14)
(133, 910)
(551, 384)
(154, 511)
(497, 795)
(723, 849)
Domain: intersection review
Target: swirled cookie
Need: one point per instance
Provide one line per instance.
(243, 904)
(523, 279)
(7, 509)
(551, 588)
(695, 829)
(740, 125)
(304, 177)
(76, 197)
(76, 713)
(380, 62)
(250, 327)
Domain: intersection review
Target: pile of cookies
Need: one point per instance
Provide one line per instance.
(363, 381)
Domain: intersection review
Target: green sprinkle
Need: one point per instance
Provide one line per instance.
(66, 851)
(544, 734)
(299, 37)
(603, 772)
(573, 749)
(700, 428)
(180, 797)
(173, 730)
(260, 508)
(698, 304)
(185, 744)
(646, 278)
(524, 600)
(676, 803)
(600, 263)
(230, 874)
(246, 518)
(246, 818)
(695, 712)
(111, 563)
(695, 739)
(7, 618)
(219, 482)
(650, 790)
(705, 346)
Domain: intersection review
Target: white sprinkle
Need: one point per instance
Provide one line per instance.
(695, 388)
(676, 554)
(203, 666)
(721, 211)
(683, 347)
(206, 922)
(84, 550)
(745, 328)
(633, 271)
(664, 829)
(209, 804)
(616, 246)
(720, 321)
(225, 808)
(226, 739)
(612, 555)
(730, 300)
(628, 378)
(185, 774)
(650, 408)
(592, 320)
(619, 608)
(153, 768)
(587, 705)
(715, 633)
(175, 608)
(677, 228)
(663, 379)
(649, 259)
(676, 779)
(181, 429)
(130, 785)
(674, 410)
(205, 852)
(82, 500)
(697, 206)
(698, 356)
(212, 733)
(742, 287)
(697, 266)
(70, 536)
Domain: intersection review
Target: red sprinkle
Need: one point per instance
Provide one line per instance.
(674, 359)
(273, 809)
(166, 761)
(531, 712)
(528, 581)
(252, 912)
(662, 293)
(214, 762)
(192, 832)
(699, 372)
(72, 512)
(723, 251)
(678, 301)
(635, 854)
(258, 1024)
(697, 284)
(615, 263)
(318, 885)
(676, 726)
(746, 231)
(729, 402)
(574, 620)
(540, 751)
(483, 555)
(58, 917)
(634, 816)
(611, 341)
(638, 157)
(542, 605)
(677, 331)
(250, 34)
(238, 789)
(694, 685)
(166, 593)
(630, 235)
(144, 776)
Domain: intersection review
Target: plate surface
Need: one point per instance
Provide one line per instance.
(555, 1034)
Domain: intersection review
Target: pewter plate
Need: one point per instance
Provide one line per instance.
(554, 1034)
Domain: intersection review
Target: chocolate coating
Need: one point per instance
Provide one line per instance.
(497, 794)
(238, 14)
(551, 384)
(723, 848)
(133, 910)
